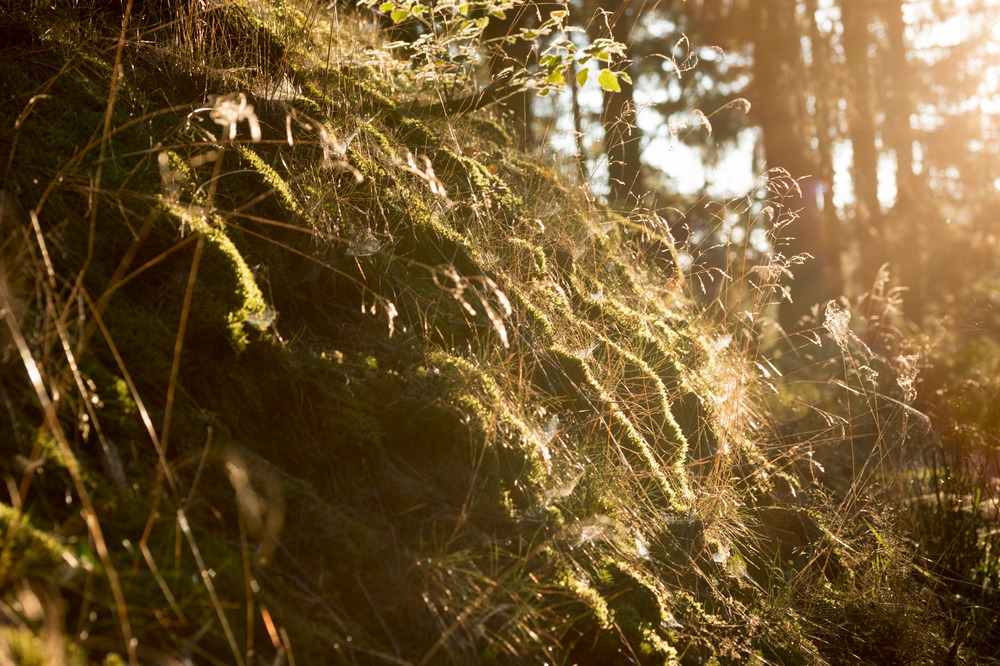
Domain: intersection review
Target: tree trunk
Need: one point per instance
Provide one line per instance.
(621, 133)
(861, 119)
(825, 89)
(581, 157)
(778, 108)
(898, 84)
(520, 53)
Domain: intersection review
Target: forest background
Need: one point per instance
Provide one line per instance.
(886, 111)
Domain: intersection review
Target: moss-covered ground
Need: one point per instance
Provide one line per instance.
(290, 374)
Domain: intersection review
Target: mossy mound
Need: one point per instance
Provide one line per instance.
(337, 383)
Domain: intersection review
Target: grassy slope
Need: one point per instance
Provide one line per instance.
(323, 402)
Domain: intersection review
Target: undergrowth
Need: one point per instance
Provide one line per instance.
(296, 368)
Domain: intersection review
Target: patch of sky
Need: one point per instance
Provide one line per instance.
(887, 167)
(843, 186)
(729, 172)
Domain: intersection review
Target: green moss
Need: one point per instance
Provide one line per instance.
(307, 106)
(486, 129)
(57, 457)
(525, 253)
(655, 646)
(179, 178)
(379, 138)
(416, 134)
(26, 648)
(271, 177)
(365, 86)
(591, 598)
(482, 180)
(631, 447)
(30, 551)
(524, 464)
(646, 395)
(228, 295)
(538, 323)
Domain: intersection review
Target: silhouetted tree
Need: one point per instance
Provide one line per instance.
(622, 138)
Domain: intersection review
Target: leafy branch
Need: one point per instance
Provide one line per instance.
(450, 39)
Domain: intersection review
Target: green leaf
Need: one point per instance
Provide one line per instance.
(463, 9)
(556, 77)
(387, 6)
(609, 81)
(398, 15)
(582, 76)
(625, 77)
(548, 26)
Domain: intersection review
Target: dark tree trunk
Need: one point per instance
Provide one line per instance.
(581, 158)
(898, 84)
(622, 138)
(779, 110)
(517, 108)
(825, 89)
(622, 144)
(861, 109)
